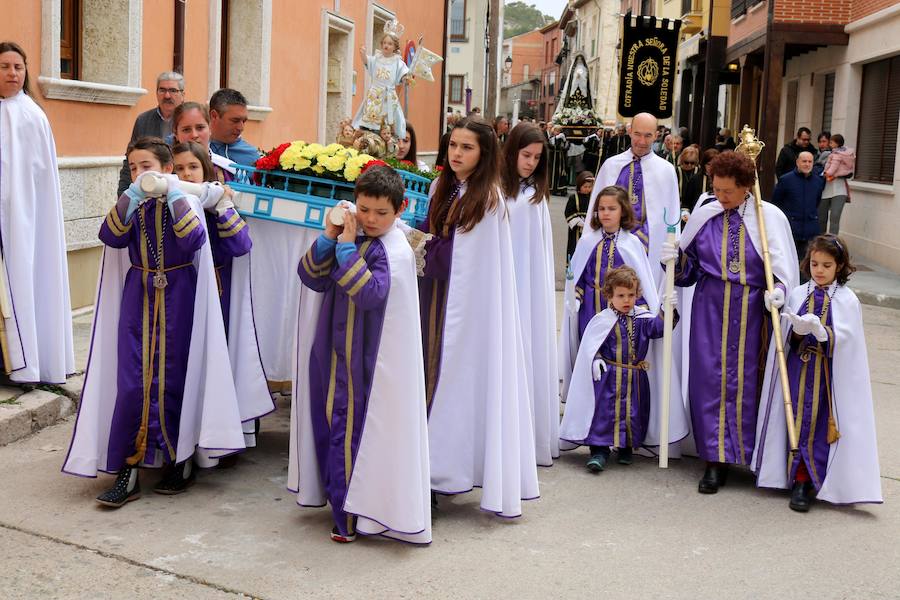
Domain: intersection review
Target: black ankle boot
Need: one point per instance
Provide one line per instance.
(715, 477)
(625, 456)
(800, 496)
(124, 490)
(177, 480)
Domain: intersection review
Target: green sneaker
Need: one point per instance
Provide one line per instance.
(596, 463)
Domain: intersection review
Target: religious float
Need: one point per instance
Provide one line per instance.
(296, 183)
(575, 111)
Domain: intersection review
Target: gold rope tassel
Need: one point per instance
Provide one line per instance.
(140, 441)
(833, 433)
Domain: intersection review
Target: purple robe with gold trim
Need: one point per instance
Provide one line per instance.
(728, 338)
(809, 364)
(342, 359)
(590, 282)
(622, 405)
(154, 327)
(229, 237)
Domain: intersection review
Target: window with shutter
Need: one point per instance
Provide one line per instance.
(70, 39)
(879, 113)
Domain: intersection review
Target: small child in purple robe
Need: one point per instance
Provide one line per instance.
(351, 265)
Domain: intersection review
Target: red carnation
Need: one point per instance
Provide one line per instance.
(373, 163)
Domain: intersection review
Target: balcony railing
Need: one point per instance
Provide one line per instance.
(740, 7)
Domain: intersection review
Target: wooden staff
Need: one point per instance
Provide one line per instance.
(668, 325)
(751, 146)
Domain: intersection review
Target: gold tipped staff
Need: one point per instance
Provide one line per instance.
(752, 147)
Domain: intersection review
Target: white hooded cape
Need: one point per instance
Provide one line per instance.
(853, 475)
(660, 196)
(532, 241)
(390, 485)
(210, 419)
(254, 398)
(39, 328)
(480, 427)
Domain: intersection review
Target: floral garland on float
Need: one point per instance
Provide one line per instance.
(297, 182)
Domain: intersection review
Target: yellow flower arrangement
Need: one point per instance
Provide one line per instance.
(332, 160)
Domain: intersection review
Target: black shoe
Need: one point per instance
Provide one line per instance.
(625, 456)
(434, 502)
(124, 490)
(177, 480)
(715, 477)
(800, 496)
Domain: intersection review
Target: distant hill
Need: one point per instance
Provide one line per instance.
(519, 18)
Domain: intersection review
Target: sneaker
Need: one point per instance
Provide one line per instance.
(177, 479)
(625, 456)
(337, 536)
(124, 490)
(596, 463)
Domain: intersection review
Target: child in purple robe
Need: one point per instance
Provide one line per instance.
(613, 216)
(615, 410)
(229, 235)
(352, 265)
(836, 458)
(155, 324)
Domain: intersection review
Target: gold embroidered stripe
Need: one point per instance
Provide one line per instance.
(742, 340)
(360, 283)
(184, 220)
(817, 381)
(234, 231)
(112, 219)
(351, 273)
(618, 387)
(231, 221)
(629, 373)
(329, 402)
(723, 384)
(192, 226)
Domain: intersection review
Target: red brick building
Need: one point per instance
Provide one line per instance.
(550, 83)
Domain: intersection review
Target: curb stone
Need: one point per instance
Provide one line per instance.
(31, 412)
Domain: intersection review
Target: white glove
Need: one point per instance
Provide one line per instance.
(224, 203)
(807, 324)
(667, 301)
(669, 251)
(774, 299)
(597, 368)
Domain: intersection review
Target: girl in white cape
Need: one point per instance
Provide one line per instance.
(479, 425)
(608, 244)
(525, 185)
(837, 456)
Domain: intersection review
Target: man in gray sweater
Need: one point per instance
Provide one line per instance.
(157, 121)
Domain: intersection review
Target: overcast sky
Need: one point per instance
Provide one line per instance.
(553, 8)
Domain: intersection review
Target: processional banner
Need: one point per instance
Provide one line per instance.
(647, 66)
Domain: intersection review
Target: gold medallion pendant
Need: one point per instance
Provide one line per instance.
(734, 266)
(160, 281)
